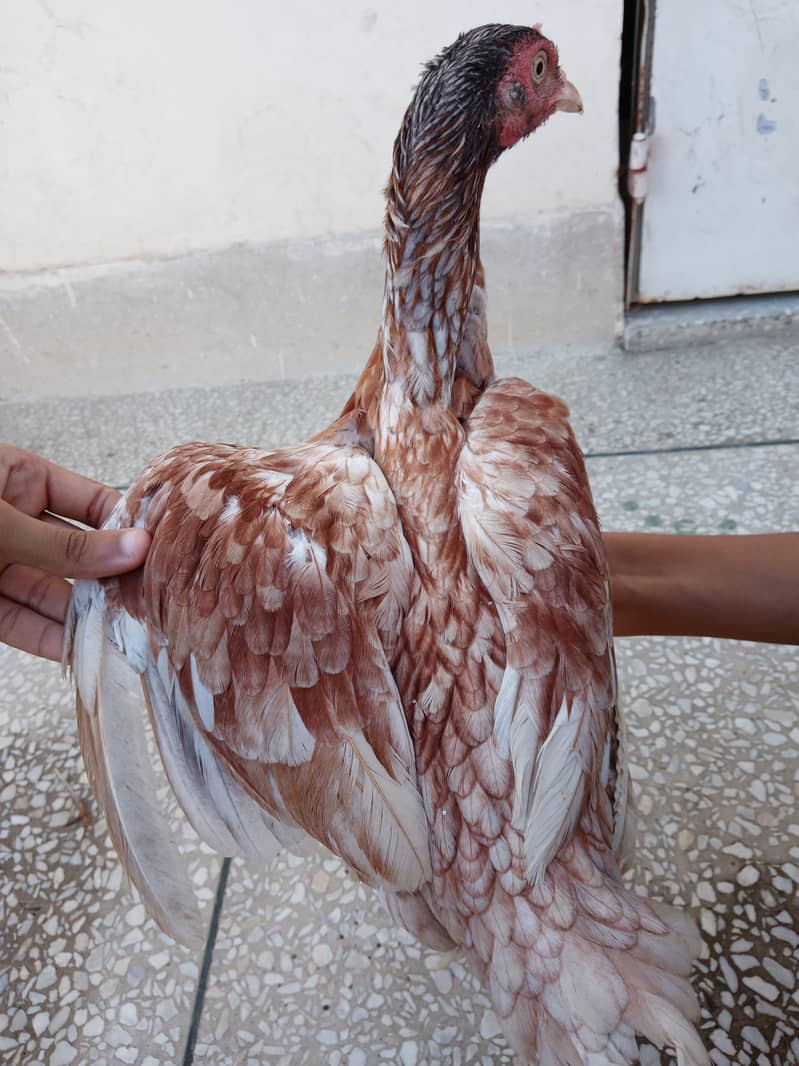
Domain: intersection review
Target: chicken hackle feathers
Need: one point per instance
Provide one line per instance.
(396, 637)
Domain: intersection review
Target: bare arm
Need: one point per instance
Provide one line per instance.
(740, 587)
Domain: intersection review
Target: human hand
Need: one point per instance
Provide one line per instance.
(39, 548)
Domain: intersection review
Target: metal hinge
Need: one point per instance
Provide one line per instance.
(637, 172)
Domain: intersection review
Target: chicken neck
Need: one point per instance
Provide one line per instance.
(432, 249)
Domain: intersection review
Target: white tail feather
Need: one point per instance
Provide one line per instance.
(661, 1022)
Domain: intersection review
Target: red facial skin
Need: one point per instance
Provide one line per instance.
(524, 105)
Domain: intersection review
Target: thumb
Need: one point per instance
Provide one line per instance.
(69, 552)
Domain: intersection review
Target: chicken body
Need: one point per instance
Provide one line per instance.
(574, 963)
(396, 638)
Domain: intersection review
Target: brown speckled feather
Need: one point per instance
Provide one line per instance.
(274, 588)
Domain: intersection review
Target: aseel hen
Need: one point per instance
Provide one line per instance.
(396, 637)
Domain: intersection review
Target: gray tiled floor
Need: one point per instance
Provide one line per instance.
(307, 969)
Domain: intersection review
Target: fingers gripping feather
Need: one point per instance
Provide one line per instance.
(112, 738)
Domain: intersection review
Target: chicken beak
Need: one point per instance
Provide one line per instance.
(569, 99)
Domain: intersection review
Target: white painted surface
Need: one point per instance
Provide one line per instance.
(164, 126)
(722, 214)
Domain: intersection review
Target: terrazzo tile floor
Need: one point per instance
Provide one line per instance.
(306, 967)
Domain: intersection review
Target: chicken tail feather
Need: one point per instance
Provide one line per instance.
(588, 964)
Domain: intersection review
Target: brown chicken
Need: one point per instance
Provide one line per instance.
(396, 638)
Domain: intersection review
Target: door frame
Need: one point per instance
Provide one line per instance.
(636, 124)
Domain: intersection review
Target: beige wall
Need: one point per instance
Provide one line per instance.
(165, 126)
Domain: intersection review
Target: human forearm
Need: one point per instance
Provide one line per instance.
(740, 587)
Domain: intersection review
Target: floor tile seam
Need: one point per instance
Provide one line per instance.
(208, 953)
(683, 449)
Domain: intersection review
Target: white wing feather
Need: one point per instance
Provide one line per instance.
(556, 793)
(221, 811)
(115, 753)
(391, 810)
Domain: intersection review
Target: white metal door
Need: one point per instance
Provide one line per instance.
(722, 212)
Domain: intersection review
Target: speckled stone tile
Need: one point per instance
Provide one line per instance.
(715, 734)
(308, 968)
(736, 490)
(85, 976)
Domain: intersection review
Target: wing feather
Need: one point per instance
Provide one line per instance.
(112, 739)
(259, 627)
(532, 533)
(555, 796)
(223, 814)
(388, 809)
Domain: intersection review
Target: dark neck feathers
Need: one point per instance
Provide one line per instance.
(447, 142)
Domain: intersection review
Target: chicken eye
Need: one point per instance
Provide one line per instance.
(539, 67)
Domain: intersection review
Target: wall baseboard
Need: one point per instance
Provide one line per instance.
(286, 310)
(651, 328)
